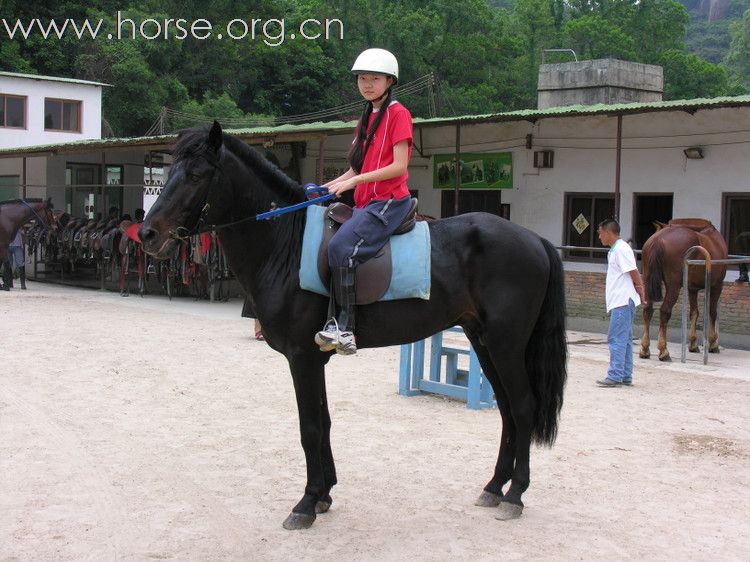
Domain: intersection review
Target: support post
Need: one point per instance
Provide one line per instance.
(457, 170)
(618, 166)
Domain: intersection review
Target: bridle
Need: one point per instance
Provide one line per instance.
(183, 233)
(39, 218)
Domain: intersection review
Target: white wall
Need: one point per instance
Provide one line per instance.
(652, 162)
(35, 91)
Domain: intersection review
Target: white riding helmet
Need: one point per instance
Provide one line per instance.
(378, 61)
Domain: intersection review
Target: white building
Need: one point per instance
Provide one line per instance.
(37, 110)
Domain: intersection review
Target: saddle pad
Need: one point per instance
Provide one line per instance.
(410, 254)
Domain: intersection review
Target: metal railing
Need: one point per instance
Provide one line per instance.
(708, 263)
(733, 259)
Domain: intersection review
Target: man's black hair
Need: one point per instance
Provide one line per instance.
(611, 225)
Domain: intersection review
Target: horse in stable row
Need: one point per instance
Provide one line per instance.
(14, 214)
(663, 256)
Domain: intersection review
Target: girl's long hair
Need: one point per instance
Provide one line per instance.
(359, 148)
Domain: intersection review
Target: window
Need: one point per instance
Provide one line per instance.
(12, 111)
(737, 223)
(583, 213)
(9, 187)
(470, 200)
(62, 115)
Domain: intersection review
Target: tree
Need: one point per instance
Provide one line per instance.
(687, 77)
(535, 24)
(738, 58)
(594, 37)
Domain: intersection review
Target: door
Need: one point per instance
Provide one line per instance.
(650, 208)
(83, 190)
(470, 201)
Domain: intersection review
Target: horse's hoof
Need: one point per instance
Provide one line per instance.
(488, 499)
(322, 506)
(297, 521)
(507, 511)
(666, 358)
(714, 349)
(695, 349)
(644, 355)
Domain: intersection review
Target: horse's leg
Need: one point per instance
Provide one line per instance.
(508, 358)
(648, 313)
(329, 467)
(492, 494)
(308, 374)
(692, 334)
(665, 313)
(713, 334)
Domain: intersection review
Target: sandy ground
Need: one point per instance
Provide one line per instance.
(135, 429)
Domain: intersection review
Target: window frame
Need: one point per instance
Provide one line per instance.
(24, 100)
(726, 199)
(593, 257)
(62, 102)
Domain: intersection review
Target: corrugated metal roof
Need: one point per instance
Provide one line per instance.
(52, 78)
(310, 131)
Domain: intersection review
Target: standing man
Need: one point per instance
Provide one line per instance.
(18, 258)
(624, 292)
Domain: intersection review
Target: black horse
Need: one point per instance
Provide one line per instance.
(502, 283)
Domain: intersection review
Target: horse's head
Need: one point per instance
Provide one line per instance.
(190, 194)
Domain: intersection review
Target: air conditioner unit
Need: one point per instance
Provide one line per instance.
(544, 158)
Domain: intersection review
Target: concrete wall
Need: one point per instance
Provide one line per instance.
(590, 82)
(36, 91)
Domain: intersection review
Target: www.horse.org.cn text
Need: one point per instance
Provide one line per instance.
(272, 32)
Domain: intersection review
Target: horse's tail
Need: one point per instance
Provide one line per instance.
(653, 270)
(547, 354)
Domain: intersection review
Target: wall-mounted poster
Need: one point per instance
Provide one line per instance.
(494, 170)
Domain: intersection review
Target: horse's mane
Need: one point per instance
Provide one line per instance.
(193, 142)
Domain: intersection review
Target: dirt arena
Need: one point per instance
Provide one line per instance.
(136, 429)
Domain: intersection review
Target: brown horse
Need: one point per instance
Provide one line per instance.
(13, 215)
(663, 255)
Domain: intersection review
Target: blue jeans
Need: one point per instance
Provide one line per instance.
(620, 340)
(364, 235)
(16, 257)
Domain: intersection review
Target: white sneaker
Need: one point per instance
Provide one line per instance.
(328, 338)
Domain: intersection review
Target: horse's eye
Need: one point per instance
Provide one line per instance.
(195, 178)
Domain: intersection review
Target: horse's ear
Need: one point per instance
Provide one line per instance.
(215, 136)
(48, 203)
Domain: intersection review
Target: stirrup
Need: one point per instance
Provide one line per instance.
(328, 338)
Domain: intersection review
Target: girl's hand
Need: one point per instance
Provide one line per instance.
(339, 187)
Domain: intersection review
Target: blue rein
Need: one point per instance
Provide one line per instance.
(310, 190)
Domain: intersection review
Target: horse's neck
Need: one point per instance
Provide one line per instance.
(16, 216)
(263, 254)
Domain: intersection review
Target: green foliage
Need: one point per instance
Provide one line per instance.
(594, 37)
(687, 76)
(738, 58)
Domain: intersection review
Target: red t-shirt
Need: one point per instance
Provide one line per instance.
(394, 127)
